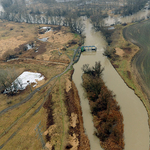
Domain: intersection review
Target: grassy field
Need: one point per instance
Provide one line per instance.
(17, 126)
(12, 35)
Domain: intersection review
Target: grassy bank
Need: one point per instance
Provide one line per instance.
(123, 54)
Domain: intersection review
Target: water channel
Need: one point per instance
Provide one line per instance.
(136, 130)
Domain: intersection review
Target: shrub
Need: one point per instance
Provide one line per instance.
(95, 71)
(9, 54)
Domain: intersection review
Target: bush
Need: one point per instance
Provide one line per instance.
(92, 87)
(108, 53)
(7, 84)
(95, 71)
(9, 54)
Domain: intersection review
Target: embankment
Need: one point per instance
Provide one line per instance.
(76, 138)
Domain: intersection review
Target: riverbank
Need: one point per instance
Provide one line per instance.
(123, 53)
(64, 117)
(107, 117)
(75, 114)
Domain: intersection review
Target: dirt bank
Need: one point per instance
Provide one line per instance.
(76, 138)
(73, 107)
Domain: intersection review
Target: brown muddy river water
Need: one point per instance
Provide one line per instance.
(136, 130)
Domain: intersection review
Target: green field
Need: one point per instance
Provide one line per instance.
(139, 34)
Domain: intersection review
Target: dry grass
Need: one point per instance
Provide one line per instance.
(48, 70)
(7, 119)
(58, 36)
(61, 120)
(57, 40)
(26, 138)
(14, 35)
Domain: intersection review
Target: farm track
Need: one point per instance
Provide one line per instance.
(28, 119)
(36, 90)
(28, 98)
(45, 61)
(63, 120)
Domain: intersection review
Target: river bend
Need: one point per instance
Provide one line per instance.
(136, 130)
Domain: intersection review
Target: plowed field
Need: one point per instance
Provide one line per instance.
(139, 34)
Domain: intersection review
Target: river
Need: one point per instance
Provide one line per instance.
(136, 130)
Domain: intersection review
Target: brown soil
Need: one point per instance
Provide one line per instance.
(47, 105)
(75, 113)
(68, 85)
(119, 51)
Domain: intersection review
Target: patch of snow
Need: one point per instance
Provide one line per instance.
(24, 80)
(46, 28)
(43, 39)
(111, 28)
(31, 77)
(29, 46)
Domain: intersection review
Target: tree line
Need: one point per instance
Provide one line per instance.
(130, 7)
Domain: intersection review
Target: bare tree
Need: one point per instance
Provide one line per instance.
(9, 83)
(76, 24)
